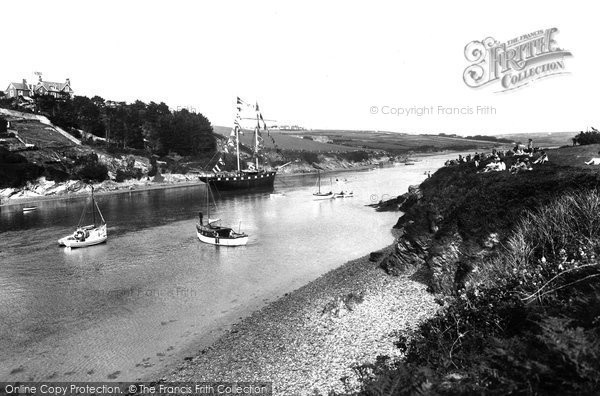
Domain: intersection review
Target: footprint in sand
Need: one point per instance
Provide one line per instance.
(170, 348)
(53, 375)
(160, 354)
(90, 372)
(69, 373)
(114, 375)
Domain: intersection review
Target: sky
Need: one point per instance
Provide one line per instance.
(318, 64)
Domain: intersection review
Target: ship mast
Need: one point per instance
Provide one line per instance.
(256, 132)
(237, 147)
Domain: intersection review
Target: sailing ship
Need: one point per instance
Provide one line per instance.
(212, 233)
(87, 235)
(255, 176)
(322, 195)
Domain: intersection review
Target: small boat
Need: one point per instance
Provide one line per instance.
(29, 209)
(409, 163)
(213, 233)
(321, 195)
(344, 194)
(87, 235)
(343, 191)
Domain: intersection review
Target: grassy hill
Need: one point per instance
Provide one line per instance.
(542, 139)
(286, 141)
(344, 140)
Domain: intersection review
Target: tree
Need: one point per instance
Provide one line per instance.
(3, 125)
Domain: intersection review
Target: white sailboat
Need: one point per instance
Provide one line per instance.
(213, 233)
(87, 235)
(321, 195)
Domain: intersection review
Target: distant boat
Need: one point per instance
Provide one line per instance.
(322, 195)
(87, 235)
(214, 234)
(29, 209)
(343, 193)
(409, 163)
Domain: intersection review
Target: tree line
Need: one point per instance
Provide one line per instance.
(138, 125)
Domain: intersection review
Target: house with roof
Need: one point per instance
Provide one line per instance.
(55, 89)
(15, 89)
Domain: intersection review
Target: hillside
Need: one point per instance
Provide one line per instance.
(343, 141)
(513, 259)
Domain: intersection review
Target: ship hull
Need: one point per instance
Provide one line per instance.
(243, 181)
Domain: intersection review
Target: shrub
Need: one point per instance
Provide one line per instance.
(3, 125)
(590, 137)
(89, 169)
(126, 174)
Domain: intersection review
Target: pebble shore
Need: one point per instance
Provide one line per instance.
(300, 348)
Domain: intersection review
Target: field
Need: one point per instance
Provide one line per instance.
(542, 139)
(343, 141)
(285, 141)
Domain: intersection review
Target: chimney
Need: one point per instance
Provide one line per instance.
(24, 82)
(68, 81)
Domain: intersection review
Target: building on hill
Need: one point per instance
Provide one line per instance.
(15, 89)
(55, 89)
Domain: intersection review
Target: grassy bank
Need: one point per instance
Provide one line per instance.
(513, 258)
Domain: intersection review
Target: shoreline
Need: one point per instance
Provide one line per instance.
(311, 337)
(8, 202)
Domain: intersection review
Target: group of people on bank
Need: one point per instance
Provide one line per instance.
(522, 159)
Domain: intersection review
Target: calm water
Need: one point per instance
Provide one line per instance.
(154, 293)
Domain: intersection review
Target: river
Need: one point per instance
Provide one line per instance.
(153, 294)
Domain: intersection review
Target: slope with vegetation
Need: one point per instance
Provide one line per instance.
(514, 260)
(95, 140)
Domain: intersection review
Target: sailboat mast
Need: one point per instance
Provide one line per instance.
(93, 207)
(319, 175)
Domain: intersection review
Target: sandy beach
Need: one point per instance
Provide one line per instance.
(311, 338)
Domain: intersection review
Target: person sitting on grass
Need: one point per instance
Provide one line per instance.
(542, 159)
(593, 161)
(495, 166)
(520, 165)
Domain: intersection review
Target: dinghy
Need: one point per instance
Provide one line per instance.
(343, 191)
